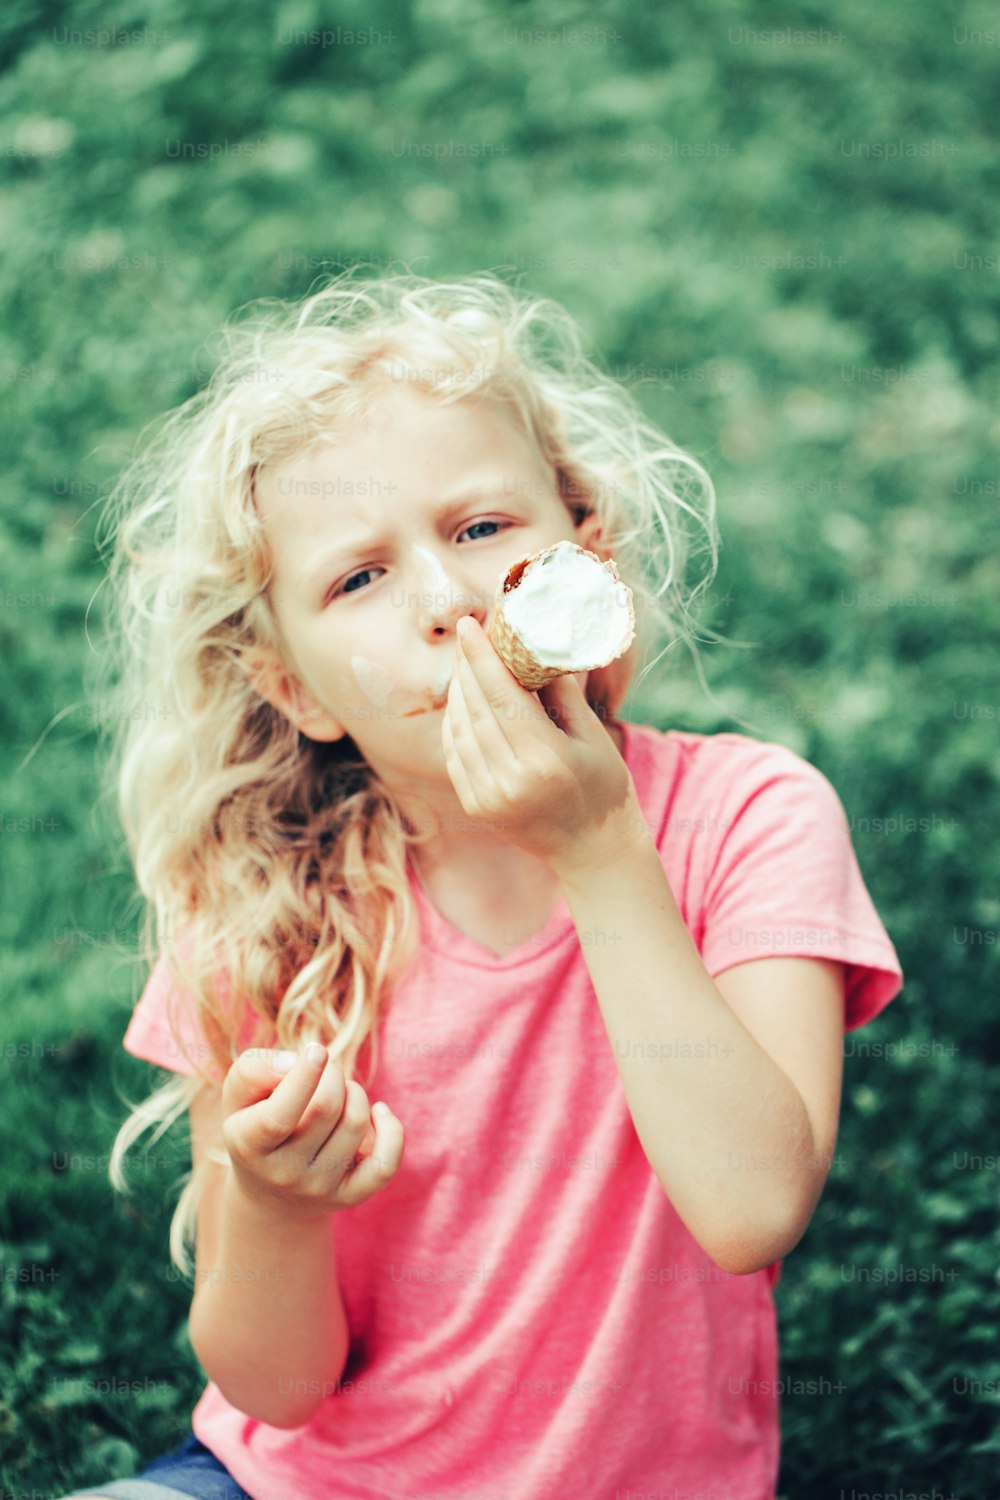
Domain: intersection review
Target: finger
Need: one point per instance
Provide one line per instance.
(374, 1171)
(565, 703)
(483, 715)
(478, 761)
(269, 1105)
(520, 710)
(337, 1147)
(456, 768)
(323, 1114)
(335, 1106)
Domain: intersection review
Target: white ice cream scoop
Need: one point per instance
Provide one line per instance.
(561, 610)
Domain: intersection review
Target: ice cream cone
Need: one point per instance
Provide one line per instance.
(508, 644)
(515, 655)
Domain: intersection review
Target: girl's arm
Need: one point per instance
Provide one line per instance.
(701, 1089)
(708, 1101)
(267, 1321)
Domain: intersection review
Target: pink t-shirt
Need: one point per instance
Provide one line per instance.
(529, 1316)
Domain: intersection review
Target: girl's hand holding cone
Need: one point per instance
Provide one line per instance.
(541, 767)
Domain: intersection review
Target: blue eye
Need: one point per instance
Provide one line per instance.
(364, 572)
(480, 523)
(361, 574)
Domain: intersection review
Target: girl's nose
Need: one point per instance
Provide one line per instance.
(442, 597)
(442, 613)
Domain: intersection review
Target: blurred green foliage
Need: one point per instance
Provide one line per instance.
(789, 247)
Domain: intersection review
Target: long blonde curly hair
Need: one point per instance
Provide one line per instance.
(274, 867)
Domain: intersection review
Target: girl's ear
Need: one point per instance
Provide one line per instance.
(273, 682)
(588, 535)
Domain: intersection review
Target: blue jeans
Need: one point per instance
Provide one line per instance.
(191, 1469)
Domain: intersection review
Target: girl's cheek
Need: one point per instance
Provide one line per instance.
(375, 682)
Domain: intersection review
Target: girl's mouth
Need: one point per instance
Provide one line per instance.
(379, 687)
(434, 708)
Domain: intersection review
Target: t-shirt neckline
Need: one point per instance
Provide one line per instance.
(440, 935)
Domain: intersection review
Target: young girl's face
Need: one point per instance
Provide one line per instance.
(381, 542)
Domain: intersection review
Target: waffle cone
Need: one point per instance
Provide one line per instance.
(509, 646)
(514, 654)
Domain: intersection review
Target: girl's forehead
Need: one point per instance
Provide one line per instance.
(401, 427)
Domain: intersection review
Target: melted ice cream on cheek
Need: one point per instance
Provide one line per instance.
(381, 689)
(378, 685)
(374, 681)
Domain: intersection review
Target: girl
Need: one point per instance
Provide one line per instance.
(578, 985)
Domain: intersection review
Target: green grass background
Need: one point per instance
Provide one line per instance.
(816, 320)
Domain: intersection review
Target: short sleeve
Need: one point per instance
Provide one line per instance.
(149, 1034)
(786, 882)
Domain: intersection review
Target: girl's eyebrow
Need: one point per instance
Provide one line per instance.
(362, 540)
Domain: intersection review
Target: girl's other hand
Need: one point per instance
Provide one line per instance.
(306, 1140)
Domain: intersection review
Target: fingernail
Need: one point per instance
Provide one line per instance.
(315, 1052)
(283, 1062)
(381, 1109)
